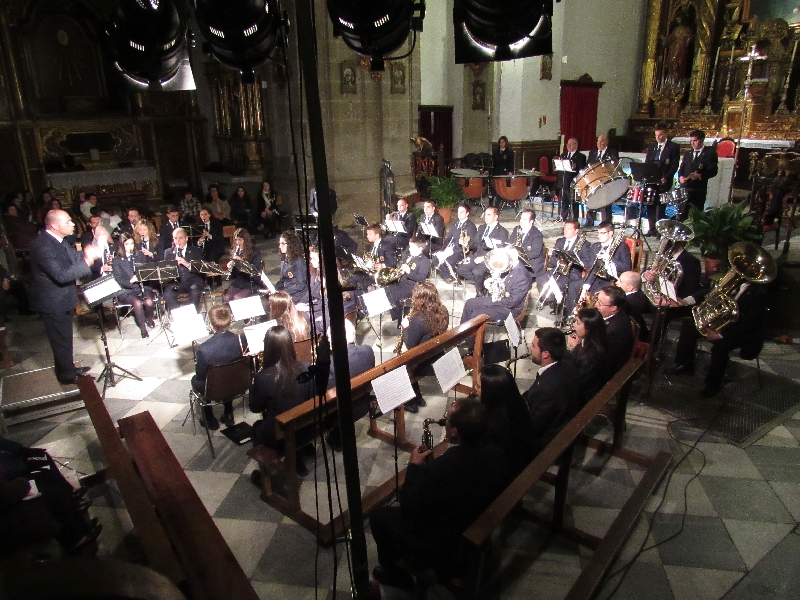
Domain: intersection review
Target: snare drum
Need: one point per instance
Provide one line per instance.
(600, 184)
(675, 197)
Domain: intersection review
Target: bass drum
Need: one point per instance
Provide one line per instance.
(601, 184)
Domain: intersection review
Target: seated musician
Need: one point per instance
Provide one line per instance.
(588, 346)
(144, 238)
(316, 284)
(561, 274)
(102, 241)
(474, 268)
(415, 268)
(138, 296)
(342, 239)
(452, 252)
(243, 284)
(605, 263)
(294, 277)
(87, 237)
(212, 239)
(689, 286)
(555, 396)
(284, 311)
(433, 219)
(129, 224)
(170, 224)
(637, 304)
(188, 282)
(619, 331)
(439, 499)
(222, 348)
(528, 237)
(747, 333)
(427, 319)
(381, 251)
(409, 221)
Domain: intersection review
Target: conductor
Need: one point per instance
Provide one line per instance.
(55, 265)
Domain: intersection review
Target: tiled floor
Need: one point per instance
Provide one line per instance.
(726, 527)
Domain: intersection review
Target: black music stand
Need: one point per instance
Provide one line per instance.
(95, 293)
(162, 272)
(647, 175)
(209, 269)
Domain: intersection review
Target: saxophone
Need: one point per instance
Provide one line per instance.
(608, 269)
(427, 436)
(563, 266)
(398, 347)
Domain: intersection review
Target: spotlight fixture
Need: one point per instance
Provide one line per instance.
(375, 29)
(499, 30)
(148, 39)
(241, 34)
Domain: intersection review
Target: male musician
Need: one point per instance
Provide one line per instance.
(555, 396)
(382, 250)
(569, 208)
(490, 235)
(602, 154)
(87, 237)
(416, 268)
(439, 498)
(527, 237)
(313, 202)
(167, 228)
(747, 333)
(434, 220)
(222, 348)
(452, 252)
(341, 239)
(600, 267)
(101, 239)
(666, 154)
(54, 268)
(698, 166)
(611, 304)
(517, 284)
(636, 303)
(132, 218)
(188, 282)
(409, 221)
(212, 239)
(502, 164)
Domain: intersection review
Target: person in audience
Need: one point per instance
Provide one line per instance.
(509, 425)
(212, 238)
(636, 303)
(243, 284)
(439, 498)
(190, 207)
(611, 304)
(217, 205)
(555, 396)
(589, 351)
(283, 310)
(415, 268)
(222, 348)
(168, 227)
(20, 232)
(188, 282)
(427, 319)
(242, 209)
(294, 271)
(268, 215)
(138, 296)
(87, 203)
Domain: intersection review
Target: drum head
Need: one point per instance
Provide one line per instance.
(607, 193)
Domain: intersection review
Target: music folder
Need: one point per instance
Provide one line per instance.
(395, 226)
(563, 164)
(428, 229)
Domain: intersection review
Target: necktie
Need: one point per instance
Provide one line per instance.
(658, 154)
(568, 245)
(696, 154)
(600, 155)
(180, 252)
(174, 226)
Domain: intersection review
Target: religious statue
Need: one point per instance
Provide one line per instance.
(676, 52)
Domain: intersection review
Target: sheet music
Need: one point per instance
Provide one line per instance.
(395, 226)
(514, 336)
(667, 288)
(359, 262)
(265, 280)
(100, 291)
(254, 334)
(551, 287)
(393, 389)
(247, 308)
(493, 243)
(187, 324)
(563, 164)
(377, 302)
(449, 370)
(428, 229)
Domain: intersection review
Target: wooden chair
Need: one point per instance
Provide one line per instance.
(544, 167)
(304, 349)
(726, 149)
(635, 245)
(228, 231)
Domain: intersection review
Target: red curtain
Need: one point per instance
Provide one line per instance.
(579, 114)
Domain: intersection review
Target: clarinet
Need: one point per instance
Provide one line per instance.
(236, 254)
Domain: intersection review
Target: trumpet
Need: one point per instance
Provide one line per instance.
(463, 241)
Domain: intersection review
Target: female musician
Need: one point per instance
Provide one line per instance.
(278, 387)
(242, 284)
(146, 240)
(139, 297)
(509, 424)
(589, 346)
(294, 277)
(284, 311)
(268, 215)
(427, 319)
(316, 285)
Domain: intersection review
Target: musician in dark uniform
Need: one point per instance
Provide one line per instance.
(129, 224)
(451, 244)
(409, 221)
(528, 237)
(243, 284)
(54, 268)
(146, 247)
(568, 207)
(188, 282)
(666, 154)
(558, 276)
(435, 220)
(599, 155)
(698, 166)
(212, 239)
(171, 223)
(342, 239)
(415, 268)
(517, 284)
(294, 271)
(619, 331)
(381, 249)
(502, 164)
(87, 237)
(138, 296)
(636, 303)
(474, 268)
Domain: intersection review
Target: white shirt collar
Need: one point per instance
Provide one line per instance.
(544, 368)
(55, 235)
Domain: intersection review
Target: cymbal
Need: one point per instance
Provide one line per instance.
(531, 172)
(466, 173)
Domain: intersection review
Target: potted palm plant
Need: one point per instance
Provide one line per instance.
(716, 229)
(446, 193)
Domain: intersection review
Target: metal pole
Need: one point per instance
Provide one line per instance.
(308, 66)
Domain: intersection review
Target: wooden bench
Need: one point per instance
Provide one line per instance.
(178, 536)
(321, 415)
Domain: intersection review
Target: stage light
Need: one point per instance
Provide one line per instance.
(148, 39)
(375, 29)
(499, 30)
(241, 34)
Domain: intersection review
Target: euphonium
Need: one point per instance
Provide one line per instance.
(665, 268)
(389, 275)
(499, 261)
(750, 263)
(427, 436)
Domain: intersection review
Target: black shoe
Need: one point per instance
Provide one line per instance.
(79, 493)
(412, 407)
(211, 424)
(334, 441)
(227, 418)
(145, 334)
(151, 324)
(300, 467)
(375, 412)
(69, 380)
(393, 577)
(255, 478)
(680, 370)
(708, 392)
(84, 505)
(421, 402)
(81, 370)
(87, 540)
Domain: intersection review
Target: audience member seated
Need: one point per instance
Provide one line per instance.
(619, 331)
(294, 275)
(190, 207)
(637, 305)
(284, 311)
(242, 209)
(242, 284)
(268, 215)
(439, 499)
(188, 282)
(138, 296)
(222, 348)
(20, 233)
(217, 205)
(415, 268)
(589, 351)
(555, 396)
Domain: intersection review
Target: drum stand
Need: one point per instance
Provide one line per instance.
(107, 374)
(637, 230)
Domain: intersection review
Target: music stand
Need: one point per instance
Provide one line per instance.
(162, 272)
(95, 293)
(647, 175)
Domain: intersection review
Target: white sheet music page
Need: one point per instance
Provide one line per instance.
(247, 308)
(513, 331)
(449, 370)
(377, 302)
(667, 288)
(393, 389)
(428, 229)
(107, 288)
(254, 334)
(187, 325)
(265, 280)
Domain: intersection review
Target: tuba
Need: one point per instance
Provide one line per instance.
(665, 268)
(749, 263)
(499, 261)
